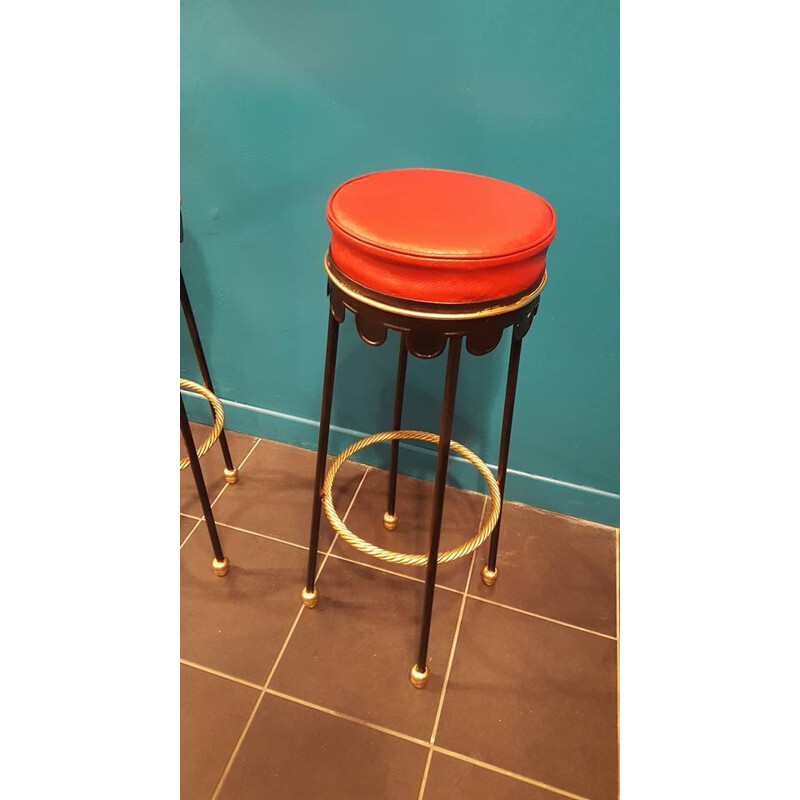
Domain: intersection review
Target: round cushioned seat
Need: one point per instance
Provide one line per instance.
(438, 236)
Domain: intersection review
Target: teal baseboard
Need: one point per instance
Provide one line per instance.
(416, 460)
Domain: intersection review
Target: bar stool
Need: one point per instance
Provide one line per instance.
(445, 258)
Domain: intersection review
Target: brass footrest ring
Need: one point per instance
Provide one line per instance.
(219, 418)
(421, 559)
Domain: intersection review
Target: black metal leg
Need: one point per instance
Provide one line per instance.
(310, 595)
(231, 473)
(419, 672)
(390, 518)
(489, 571)
(220, 563)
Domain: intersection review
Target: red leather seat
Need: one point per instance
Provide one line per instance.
(438, 236)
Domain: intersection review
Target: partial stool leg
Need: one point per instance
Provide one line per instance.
(419, 672)
(230, 472)
(220, 563)
(489, 571)
(309, 594)
(390, 517)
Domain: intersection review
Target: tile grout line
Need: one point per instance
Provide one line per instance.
(219, 674)
(190, 516)
(188, 536)
(438, 717)
(391, 572)
(347, 717)
(238, 744)
(219, 494)
(308, 704)
(241, 464)
(265, 686)
(450, 660)
(194, 528)
(507, 772)
(263, 535)
(397, 734)
(542, 617)
(420, 580)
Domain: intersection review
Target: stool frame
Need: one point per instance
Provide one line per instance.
(220, 564)
(231, 473)
(426, 330)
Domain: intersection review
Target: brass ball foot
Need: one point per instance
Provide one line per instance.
(419, 677)
(310, 599)
(231, 475)
(389, 521)
(489, 576)
(221, 567)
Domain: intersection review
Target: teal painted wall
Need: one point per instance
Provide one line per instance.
(281, 102)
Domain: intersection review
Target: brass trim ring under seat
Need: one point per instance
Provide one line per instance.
(491, 311)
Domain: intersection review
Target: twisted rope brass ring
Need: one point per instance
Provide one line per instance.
(403, 558)
(219, 418)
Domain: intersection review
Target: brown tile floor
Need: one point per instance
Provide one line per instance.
(278, 701)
